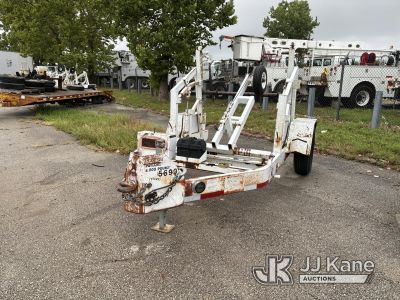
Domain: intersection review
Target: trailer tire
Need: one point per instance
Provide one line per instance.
(259, 81)
(97, 100)
(12, 79)
(302, 162)
(11, 86)
(362, 96)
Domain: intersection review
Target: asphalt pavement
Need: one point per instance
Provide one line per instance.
(65, 235)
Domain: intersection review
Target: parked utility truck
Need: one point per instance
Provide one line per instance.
(125, 65)
(365, 72)
(12, 63)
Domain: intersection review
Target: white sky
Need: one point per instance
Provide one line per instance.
(376, 23)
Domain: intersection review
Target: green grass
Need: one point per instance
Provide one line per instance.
(110, 132)
(350, 138)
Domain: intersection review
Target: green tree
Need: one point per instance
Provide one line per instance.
(290, 20)
(163, 34)
(73, 32)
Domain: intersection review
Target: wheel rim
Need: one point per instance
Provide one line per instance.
(218, 89)
(264, 80)
(145, 84)
(362, 98)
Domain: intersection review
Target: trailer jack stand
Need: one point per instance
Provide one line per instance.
(161, 226)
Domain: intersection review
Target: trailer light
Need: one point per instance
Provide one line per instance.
(199, 187)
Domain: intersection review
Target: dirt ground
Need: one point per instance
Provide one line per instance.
(64, 234)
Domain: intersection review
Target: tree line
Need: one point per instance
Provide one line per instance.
(162, 34)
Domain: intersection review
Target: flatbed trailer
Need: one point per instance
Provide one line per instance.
(12, 98)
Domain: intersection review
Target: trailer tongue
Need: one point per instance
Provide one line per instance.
(155, 179)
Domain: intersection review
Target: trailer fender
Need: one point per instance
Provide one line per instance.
(301, 132)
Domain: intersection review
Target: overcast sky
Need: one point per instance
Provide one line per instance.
(376, 23)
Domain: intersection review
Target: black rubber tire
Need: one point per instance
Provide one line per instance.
(11, 86)
(219, 87)
(303, 163)
(12, 79)
(259, 81)
(97, 100)
(34, 83)
(75, 88)
(279, 90)
(49, 89)
(321, 99)
(145, 83)
(352, 103)
(391, 61)
(325, 101)
(49, 83)
(39, 83)
(130, 81)
(172, 83)
(279, 87)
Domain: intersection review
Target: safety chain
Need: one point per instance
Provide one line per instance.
(151, 198)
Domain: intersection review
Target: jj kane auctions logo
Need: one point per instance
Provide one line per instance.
(315, 270)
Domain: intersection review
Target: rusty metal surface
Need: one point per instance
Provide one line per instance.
(150, 160)
(8, 99)
(11, 98)
(132, 207)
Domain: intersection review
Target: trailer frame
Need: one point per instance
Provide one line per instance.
(154, 179)
(12, 98)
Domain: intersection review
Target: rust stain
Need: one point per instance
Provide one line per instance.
(130, 183)
(131, 207)
(242, 151)
(278, 138)
(188, 188)
(151, 159)
(190, 165)
(253, 179)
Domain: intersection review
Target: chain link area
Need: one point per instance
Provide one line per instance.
(152, 197)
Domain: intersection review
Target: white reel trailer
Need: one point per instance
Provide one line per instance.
(155, 176)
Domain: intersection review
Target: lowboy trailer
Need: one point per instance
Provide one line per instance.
(155, 178)
(9, 98)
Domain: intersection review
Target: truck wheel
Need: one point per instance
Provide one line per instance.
(220, 87)
(145, 83)
(362, 96)
(130, 81)
(279, 87)
(259, 81)
(303, 163)
(325, 101)
(321, 99)
(172, 83)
